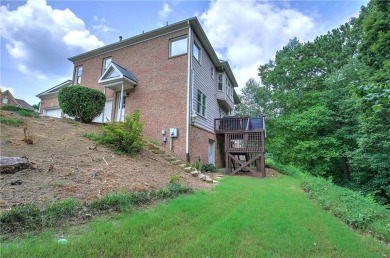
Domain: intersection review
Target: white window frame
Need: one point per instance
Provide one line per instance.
(106, 63)
(5, 100)
(201, 106)
(196, 45)
(220, 76)
(78, 74)
(172, 41)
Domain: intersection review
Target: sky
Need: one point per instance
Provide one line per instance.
(38, 36)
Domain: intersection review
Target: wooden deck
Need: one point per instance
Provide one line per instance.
(244, 144)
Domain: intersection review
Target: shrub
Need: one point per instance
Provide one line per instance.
(10, 121)
(124, 136)
(81, 102)
(209, 168)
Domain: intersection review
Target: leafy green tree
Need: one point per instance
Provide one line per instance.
(81, 102)
(254, 100)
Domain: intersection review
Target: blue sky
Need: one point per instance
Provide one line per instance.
(38, 36)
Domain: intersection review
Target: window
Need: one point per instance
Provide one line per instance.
(78, 74)
(212, 72)
(221, 113)
(220, 82)
(201, 107)
(227, 86)
(106, 62)
(196, 51)
(5, 100)
(178, 46)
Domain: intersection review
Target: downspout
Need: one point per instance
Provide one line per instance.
(104, 104)
(189, 66)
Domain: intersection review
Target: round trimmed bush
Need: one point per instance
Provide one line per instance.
(81, 102)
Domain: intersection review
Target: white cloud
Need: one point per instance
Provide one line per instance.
(163, 14)
(40, 38)
(249, 33)
(12, 90)
(165, 11)
(101, 25)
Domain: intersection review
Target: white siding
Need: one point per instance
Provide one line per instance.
(203, 81)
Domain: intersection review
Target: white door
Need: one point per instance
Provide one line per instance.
(56, 112)
(118, 115)
(212, 152)
(107, 113)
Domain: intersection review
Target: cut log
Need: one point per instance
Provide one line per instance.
(11, 165)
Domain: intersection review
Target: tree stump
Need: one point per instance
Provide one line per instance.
(11, 165)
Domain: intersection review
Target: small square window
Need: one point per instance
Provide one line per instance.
(197, 51)
(78, 74)
(178, 46)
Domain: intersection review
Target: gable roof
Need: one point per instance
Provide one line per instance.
(54, 89)
(9, 94)
(126, 73)
(191, 22)
(123, 73)
(24, 104)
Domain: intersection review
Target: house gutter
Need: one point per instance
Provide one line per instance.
(189, 66)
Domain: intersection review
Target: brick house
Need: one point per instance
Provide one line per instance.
(8, 99)
(173, 75)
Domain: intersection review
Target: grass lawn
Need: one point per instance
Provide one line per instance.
(242, 217)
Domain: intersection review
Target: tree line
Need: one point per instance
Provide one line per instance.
(327, 103)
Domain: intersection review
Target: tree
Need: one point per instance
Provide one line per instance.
(254, 100)
(81, 102)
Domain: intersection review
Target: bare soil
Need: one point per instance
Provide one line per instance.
(66, 164)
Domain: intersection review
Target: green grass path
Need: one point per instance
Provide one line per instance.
(242, 217)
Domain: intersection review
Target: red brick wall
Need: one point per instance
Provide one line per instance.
(199, 146)
(161, 93)
(10, 98)
(49, 103)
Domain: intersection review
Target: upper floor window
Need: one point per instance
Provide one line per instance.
(78, 74)
(220, 82)
(201, 106)
(197, 51)
(212, 72)
(106, 62)
(178, 46)
(227, 86)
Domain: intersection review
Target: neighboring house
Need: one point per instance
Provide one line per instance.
(8, 99)
(174, 77)
(49, 101)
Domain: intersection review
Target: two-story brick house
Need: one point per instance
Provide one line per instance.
(173, 75)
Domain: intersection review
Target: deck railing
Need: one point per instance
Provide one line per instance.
(244, 142)
(234, 124)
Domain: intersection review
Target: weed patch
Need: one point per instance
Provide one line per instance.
(25, 218)
(10, 121)
(20, 111)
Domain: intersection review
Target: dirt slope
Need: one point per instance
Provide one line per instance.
(69, 165)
